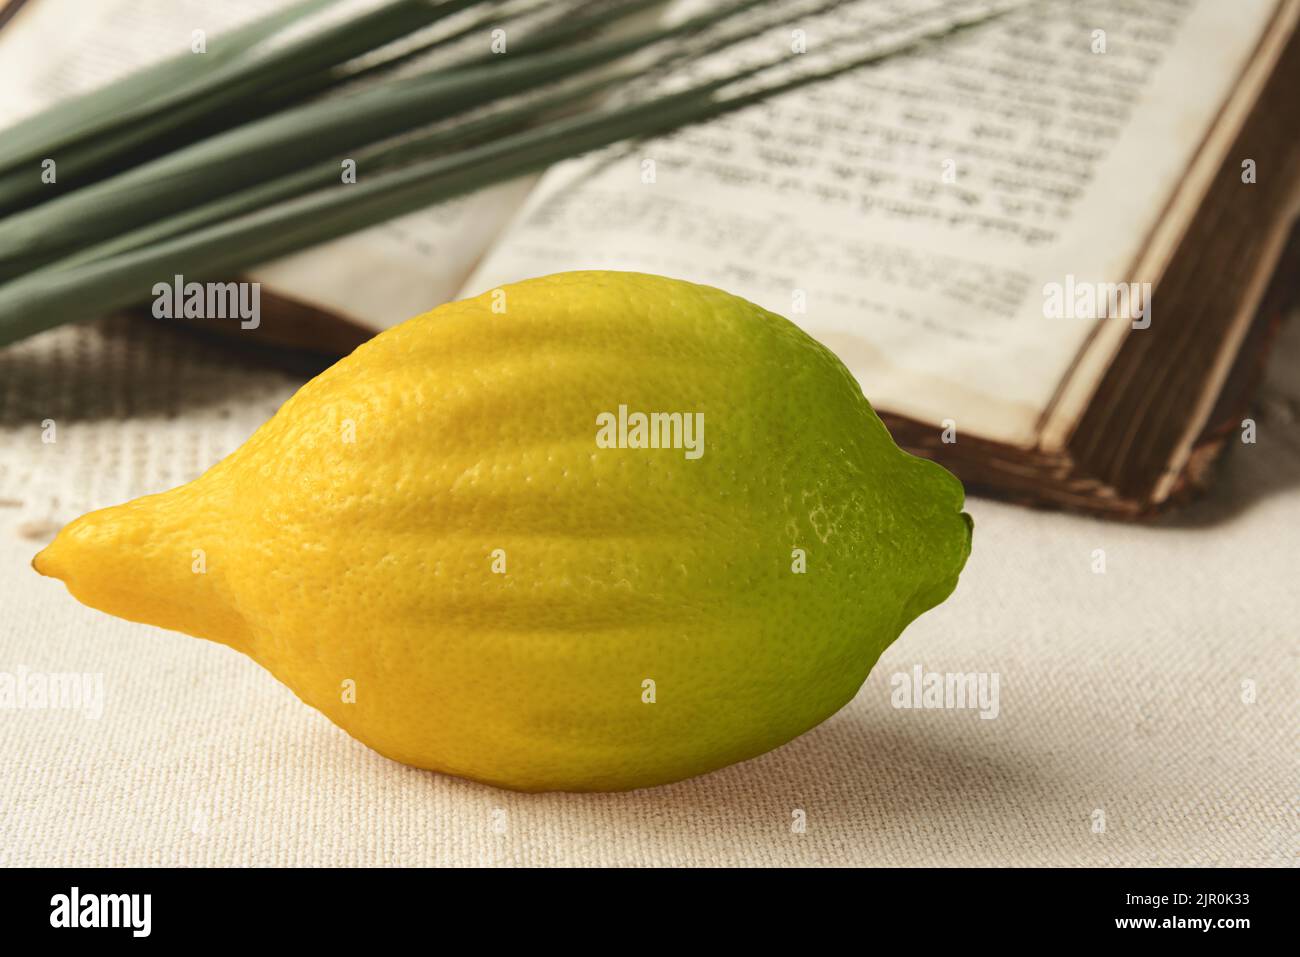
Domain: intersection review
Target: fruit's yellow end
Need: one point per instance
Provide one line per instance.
(138, 561)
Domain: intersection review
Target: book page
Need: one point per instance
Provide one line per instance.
(909, 215)
(375, 278)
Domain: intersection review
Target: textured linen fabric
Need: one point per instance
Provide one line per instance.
(1121, 694)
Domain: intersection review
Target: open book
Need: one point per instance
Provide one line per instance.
(1043, 247)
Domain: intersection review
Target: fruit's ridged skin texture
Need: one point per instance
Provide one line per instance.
(352, 538)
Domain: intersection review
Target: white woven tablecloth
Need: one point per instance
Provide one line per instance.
(1121, 694)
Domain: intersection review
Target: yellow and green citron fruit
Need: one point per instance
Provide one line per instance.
(594, 531)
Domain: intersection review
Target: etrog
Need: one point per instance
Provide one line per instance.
(593, 531)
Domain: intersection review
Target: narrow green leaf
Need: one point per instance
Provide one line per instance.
(326, 80)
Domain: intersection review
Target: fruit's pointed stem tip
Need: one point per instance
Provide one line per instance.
(41, 564)
(50, 561)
